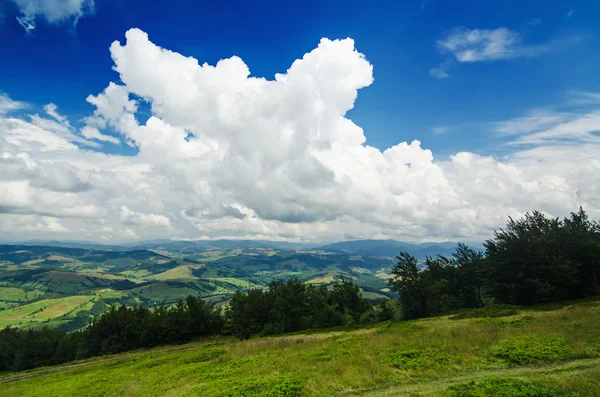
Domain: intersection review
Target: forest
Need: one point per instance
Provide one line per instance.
(533, 260)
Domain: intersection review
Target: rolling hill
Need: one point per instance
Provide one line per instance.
(161, 271)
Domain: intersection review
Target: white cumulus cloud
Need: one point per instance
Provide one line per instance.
(227, 154)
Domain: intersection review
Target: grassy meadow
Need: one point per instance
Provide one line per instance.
(46, 309)
(551, 350)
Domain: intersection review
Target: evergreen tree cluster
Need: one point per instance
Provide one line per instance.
(535, 259)
(116, 330)
(292, 305)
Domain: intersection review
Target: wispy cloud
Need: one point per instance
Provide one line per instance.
(535, 120)
(8, 105)
(534, 22)
(440, 129)
(542, 127)
(94, 133)
(50, 109)
(584, 98)
(570, 13)
(488, 45)
(480, 45)
(583, 128)
(441, 72)
(52, 11)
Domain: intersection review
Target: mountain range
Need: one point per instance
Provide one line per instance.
(369, 247)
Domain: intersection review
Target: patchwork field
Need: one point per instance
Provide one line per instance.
(156, 273)
(43, 310)
(540, 351)
(11, 294)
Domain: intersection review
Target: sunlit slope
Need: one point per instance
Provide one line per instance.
(553, 349)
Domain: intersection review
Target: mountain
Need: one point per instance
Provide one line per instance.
(70, 244)
(387, 248)
(170, 245)
(392, 248)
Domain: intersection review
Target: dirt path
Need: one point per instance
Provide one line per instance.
(437, 386)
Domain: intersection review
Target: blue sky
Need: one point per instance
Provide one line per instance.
(63, 64)
(109, 130)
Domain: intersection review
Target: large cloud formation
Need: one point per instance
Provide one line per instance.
(225, 154)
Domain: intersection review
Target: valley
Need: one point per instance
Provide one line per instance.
(64, 285)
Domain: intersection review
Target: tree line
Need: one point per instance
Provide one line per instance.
(286, 306)
(535, 259)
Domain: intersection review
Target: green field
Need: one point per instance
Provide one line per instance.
(12, 294)
(136, 274)
(179, 272)
(43, 310)
(238, 282)
(556, 347)
(159, 292)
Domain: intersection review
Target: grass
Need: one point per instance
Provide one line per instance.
(487, 312)
(44, 310)
(12, 294)
(179, 272)
(500, 387)
(132, 274)
(326, 278)
(238, 282)
(159, 292)
(428, 357)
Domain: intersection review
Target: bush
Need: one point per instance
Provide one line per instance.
(496, 387)
(414, 359)
(369, 317)
(522, 321)
(204, 355)
(281, 386)
(533, 349)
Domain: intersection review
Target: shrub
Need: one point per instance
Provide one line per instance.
(497, 387)
(281, 386)
(204, 355)
(521, 321)
(413, 359)
(531, 349)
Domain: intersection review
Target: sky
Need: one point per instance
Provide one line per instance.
(424, 120)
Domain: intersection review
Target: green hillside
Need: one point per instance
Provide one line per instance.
(551, 350)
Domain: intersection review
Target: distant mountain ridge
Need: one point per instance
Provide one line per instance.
(392, 248)
(368, 247)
